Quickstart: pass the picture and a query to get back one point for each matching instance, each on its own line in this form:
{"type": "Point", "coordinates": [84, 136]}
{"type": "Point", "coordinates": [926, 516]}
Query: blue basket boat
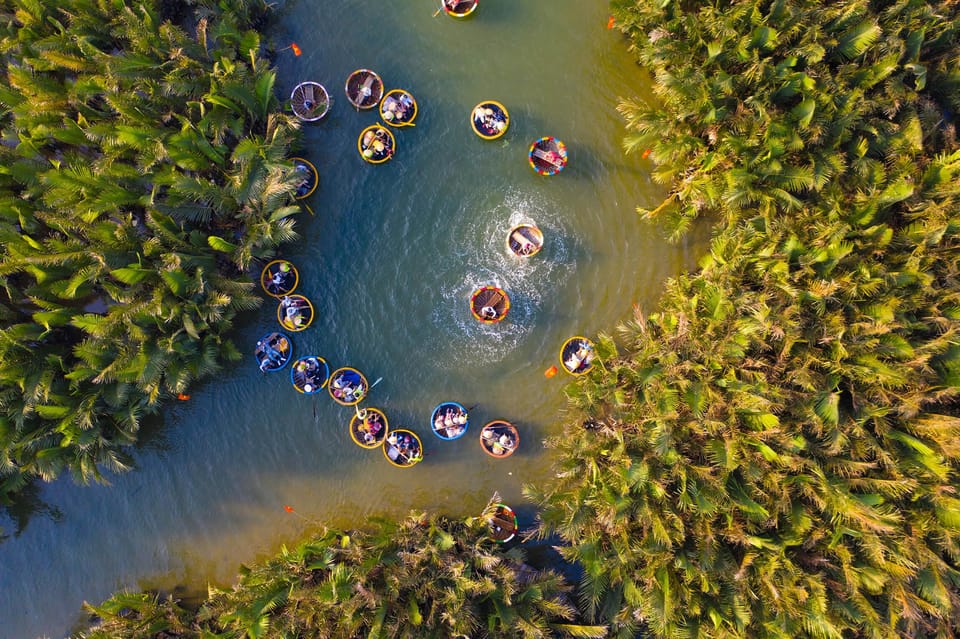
{"type": "Point", "coordinates": [273, 352]}
{"type": "Point", "coordinates": [449, 420]}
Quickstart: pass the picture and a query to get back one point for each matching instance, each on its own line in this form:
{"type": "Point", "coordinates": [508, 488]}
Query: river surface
{"type": "Point", "coordinates": [389, 259]}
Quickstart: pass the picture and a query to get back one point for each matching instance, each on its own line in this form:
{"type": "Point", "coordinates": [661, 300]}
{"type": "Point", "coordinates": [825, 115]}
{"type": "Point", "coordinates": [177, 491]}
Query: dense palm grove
{"type": "Point", "coordinates": [773, 452]}
{"type": "Point", "coordinates": [143, 170]}
{"type": "Point", "coordinates": [423, 577]}
{"type": "Point", "coordinates": [780, 440]}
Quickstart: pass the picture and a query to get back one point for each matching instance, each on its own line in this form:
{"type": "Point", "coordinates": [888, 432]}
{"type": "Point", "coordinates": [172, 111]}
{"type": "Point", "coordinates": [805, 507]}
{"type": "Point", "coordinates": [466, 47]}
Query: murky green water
{"type": "Point", "coordinates": [389, 260]}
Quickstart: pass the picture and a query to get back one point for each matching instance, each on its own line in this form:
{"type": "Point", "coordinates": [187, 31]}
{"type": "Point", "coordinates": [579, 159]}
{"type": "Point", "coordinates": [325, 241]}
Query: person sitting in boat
{"type": "Point", "coordinates": [271, 357]}
{"type": "Point", "coordinates": [303, 186]}
{"type": "Point", "coordinates": [280, 279]}
{"type": "Point", "coordinates": [503, 444]}
{"type": "Point", "coordinates": [373, 424]}
{"type": "Point", "coordinates": [488, 312]}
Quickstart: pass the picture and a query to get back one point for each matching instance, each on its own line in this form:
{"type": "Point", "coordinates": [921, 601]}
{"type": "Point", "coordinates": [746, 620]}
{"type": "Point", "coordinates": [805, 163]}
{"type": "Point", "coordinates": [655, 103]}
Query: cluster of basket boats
{"type": "Point", "coordinates": [377, 144]}
{"type": "Point", "coordinates": [369, 426]}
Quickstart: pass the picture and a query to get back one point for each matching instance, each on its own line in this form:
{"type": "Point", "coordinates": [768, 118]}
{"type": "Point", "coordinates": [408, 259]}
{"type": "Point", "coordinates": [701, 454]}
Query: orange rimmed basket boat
{"type": "Point", "coordinates": [499, 438]}
{"type": "Point", "coordinates": [490, 304]}
{"type": "Point", "coordinates": [525, 240]}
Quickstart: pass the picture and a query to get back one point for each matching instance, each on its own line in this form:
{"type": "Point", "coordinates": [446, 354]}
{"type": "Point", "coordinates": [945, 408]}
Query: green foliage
{"type": "Point", "coordinates": [144, 170]}
{"type": "Point", "coordinates": [778, 452]}
{"type": "Point", "coordinates": [424, 576]}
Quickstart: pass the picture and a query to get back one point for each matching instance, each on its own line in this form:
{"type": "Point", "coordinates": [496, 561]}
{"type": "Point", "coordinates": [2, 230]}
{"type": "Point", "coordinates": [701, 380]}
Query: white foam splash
{"type": "Point", "coordinates": [487, 260]}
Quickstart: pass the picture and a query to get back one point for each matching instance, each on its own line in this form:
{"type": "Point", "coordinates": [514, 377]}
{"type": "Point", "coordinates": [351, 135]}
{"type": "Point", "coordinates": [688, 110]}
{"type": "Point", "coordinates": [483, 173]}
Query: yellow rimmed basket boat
{"type": "Point", "coordinates": [502, 521]}
{"type": "Point", "coordinates": [489, 304]}
{"type": "Point", "coordinates": [577, 355]}
{"type": "Point", "coordinates": [348, 386]}
{"type": "Point", "coordinates": [460, 8]}
{"type": "Point", "coordinates": [499, 438]}
{"type": "Point", "coordinates": [376, 144]}
{"type": "Point", "coordinates": [547, 156]}
{"type": "Point", "coordinates": [309, 101]}
{"type": "Point", "coordinates": [295, 312]}
{"type": "Point", "coordinates": [369, 428]}
{"type": "Point", "coordinates": [398, 108]}
{"type": "Point", "coordinates": [403, 448]}
{"type": "Point", "coordinates": [309, 178]}
{"type": "Point", "coordinates": [309, 374]}
{"type": "Point", "coordinates": [279, 278]}
{"type": "Point", "coordinates": [364, 88]}
{"type": "Point", "coordinates": [525, 240]}
{"type": "Point", "coordinates": [489, 119]}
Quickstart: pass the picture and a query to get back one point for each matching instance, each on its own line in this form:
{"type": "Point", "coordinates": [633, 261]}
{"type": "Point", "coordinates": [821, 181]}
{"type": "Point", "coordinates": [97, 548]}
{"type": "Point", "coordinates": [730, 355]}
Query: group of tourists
{"type": "Point", "coordinates": [308, 375]}
{"type": "Point", "coordinates": [403, 449]}
{"type": "Point", "coordinates": [498, 441]}
{"type": "Point", "coordinates": [370, 427]}
{"type": "Point", "coordinates": [397, 109]}
{"type": "Point", "coordinates": [347, 390]}
{"type": "Point", "coordinates": [273, 351]}
{"type": "Point", "coordinates": [580, 359]}
{"type": "Point", "coordinates": [295, 312]}
{"type": "Point", "coordinates": [450, 423]}
{"type": "Point", "coordinates": [489, 121]}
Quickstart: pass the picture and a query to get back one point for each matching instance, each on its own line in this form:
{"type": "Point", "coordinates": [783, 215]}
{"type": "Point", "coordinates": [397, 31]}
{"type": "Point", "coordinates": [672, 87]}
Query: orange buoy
{"type": "Point", "coordinates": [550, 372]}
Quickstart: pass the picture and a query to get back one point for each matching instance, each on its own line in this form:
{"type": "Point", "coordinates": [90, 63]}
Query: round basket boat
{"type": "Point", "coordinates": [295, 312]}
{"type": "Point", "coordinates": [499, 438]}
{"type": "Point", "coordinates": [525, 240]}
{"type": "Point", "coordinates": [489, 120]}
{"type": "Point", "coordinates": [502, 521]}
{"type": "Point", "coordinates": [364, 88]}
{"type": "Point", "coordinates": [548, 156]}
{"type": "Point", "coordinates": [273, 352]}
{"type": "Point", "coordinates": [459, 8]}
{"type": "Point", "coordinates": [279, 278]}
{"type": "Point", "coordinates": [403, 448]}
{"type": "Point", "coordinates": [308, 178]}
{"type": "Point", "coordinates": [309, 101]}
{"type": "Point", "coordinates": [489, 304]}
{"type": "Point", "coordinates": [348, 386]}
{"type": "Point", "coordinates": [398, 108]}
{"type": "Point", "coordinates": [309, 374]}
{"type": "Point", "coordinates": [449, 421]}
{"type": "Point", "coordinates": [376, 144]}
{"type": "Point", "coordinates": [369, 428]}
{"type": "Point", "coordinates": [577, 355]}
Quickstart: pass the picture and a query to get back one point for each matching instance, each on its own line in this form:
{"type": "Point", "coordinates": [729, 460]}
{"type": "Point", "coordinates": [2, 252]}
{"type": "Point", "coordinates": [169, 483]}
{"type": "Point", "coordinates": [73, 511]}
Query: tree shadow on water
{"type": "Point", "coordinates": [21, 507]}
